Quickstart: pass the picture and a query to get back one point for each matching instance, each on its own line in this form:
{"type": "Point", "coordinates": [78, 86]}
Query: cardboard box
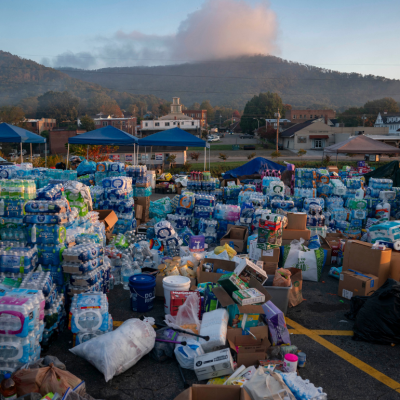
{"type": "Point", "coordinates": [252, 311]}
{"type": "Point", "coordinates": [203, 276]}
{"type": "Point", "coordinates": [236, 235]}
{"type": "Point", "coordinates": [109, 218]}
{"type": "Point", "coordinates": [248, 296]}
{"type": "Point", "coordinates": [247, 350]}
{"type": "Point", "coordinates": [291, 234]}
{"type": "Point", "coordinates": [297, 221]}
{"type": "Point", "coordinates": [360, 257]}
{"type": "Point", "coordinates": [138, 211]}
{"type": "Point", "coordinates": [395, 266]}
{"type": "Point", "coordinates": [269, 238]}
{"type": "Point", "coordinates": [247, 268]}
{"type": "Point", "coordinates": [355, 283]}
{"type": "Point", "coordinates": [214, 392]}
{"type": "Point", "coordinates": [231, 282]}
{"type": "Point", "coordinates": [332, 168]}
{"type": "Point", "coordinates": [211, 365]}
{"type": "Point", "coordinates": [325, 246]}
{"type": "Point", "coordinates": [224, 182]}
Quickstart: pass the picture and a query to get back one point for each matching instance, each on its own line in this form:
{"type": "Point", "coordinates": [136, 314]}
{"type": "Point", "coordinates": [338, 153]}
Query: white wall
{"type": "Point", "coordinates": [163, 124]}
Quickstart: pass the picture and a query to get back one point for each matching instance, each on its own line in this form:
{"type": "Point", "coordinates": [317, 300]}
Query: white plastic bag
{"type": "Point", "coordinates": [265, 386]}
{"type": "Point", "coordinates": [115, 352]}
{"type": "Point", "coordinates": [186, 354]}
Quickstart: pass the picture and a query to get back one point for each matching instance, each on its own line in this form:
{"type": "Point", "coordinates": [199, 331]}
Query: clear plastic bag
{"type": "Point", "coordinates": [115, 352]}
{"type": "Point", "coordinates": [187, 317]}
{"type": "Point", "coordinates": [187, 354]}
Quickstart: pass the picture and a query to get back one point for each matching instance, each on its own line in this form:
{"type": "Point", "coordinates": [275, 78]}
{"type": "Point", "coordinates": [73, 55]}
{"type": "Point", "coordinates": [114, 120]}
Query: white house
{"type": "Point", "coordinates": [175, 119]}
{"type": "Point", "coordinates": [389, 120]}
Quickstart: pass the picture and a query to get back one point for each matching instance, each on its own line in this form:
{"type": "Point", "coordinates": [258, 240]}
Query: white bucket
{"type": "Point", "coordinates": [152, 176]}
{"type": "Point", "coordinates": [171, 284]}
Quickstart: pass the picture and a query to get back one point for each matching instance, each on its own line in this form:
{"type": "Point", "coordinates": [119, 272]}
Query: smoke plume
{"type": "Point", "coordinates": [220, 29]}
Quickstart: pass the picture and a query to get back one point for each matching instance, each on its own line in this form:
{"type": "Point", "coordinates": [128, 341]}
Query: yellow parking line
{"type": "Point", "coordinates": [346, 356]}
{"type": "Point", "coordinates": [323, 332]}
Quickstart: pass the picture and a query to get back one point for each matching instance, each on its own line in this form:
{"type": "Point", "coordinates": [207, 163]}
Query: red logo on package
{"type": "Point", "coordinates": [179, 298]}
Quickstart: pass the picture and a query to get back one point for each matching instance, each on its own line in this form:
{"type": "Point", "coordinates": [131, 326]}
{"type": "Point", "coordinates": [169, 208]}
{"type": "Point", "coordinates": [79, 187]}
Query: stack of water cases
{"type": "Point", "coordinates": [54, 310]}
{"type": "Point", "coordinates": [106, 169]}
{"type": "Point", "coordinates": [84, 264]}
{"type": "Point", "coordinates": [118, 196]}
{"type": "Point", "coordinates": [89, 316]}
{"type": "Point", "coordinates": [225, 214]}
{"type": "Point", "coordinates": [202, 183]}
{"type": "Point", "coordinates": [160, 208]}
{"type": "Point", "coordinates": [21, 327]}
{"type": "Point", "coordinates": [204, 207]}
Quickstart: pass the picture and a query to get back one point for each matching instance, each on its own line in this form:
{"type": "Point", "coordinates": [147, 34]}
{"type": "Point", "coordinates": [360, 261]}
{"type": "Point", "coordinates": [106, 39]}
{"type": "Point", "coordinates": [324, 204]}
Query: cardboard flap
{"type": "Point", "coordinates": [214, 392]}
{"type": "Point", "coordinates": [108, 217]}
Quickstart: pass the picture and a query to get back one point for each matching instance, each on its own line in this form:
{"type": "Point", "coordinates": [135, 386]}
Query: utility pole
{"type": "Point", "coordinates": [277, 115]}
{"type": "Point", "coordinates": [363, 119]}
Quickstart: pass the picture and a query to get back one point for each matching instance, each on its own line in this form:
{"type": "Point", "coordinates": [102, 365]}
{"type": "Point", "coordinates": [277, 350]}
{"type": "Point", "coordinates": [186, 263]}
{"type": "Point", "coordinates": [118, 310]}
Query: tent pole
{"type": "Point", "coordinates": [45, 154]}
{"type": "Point", "coordinates": [67, 155]}
{"type": "Point", "coordinates": [31, 152]}
{"type": "Point", "coordinates": [205, 156]}
{"type": "Point", "coordinates": [151, 155]}
{"type": "Point", "coordinates": [21, 153]}
{"type": "Point", "coordinates": [145, 152]}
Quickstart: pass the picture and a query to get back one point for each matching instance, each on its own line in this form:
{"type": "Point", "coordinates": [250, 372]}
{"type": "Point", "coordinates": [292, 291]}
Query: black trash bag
{"type": "Point", "coordinates": [378, 320]}
{"type": "Point", "coordinates": [357, 302]}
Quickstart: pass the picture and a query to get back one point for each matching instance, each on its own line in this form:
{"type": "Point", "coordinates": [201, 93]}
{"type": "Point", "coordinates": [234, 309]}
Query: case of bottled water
{"type": "Point", "coordinates": [379, 183]}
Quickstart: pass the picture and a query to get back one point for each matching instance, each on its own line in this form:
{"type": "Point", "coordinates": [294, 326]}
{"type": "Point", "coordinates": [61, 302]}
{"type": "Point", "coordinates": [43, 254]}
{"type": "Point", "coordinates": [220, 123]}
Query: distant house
{"type": "Point", "coordinates": [316, 134]}
{"type": "Point", "coordinates": [200, 115]}
{"type": "Point", "coordinates": [175, 119]}
{"type": "Point", "coordinates": [389, 120]}
{"type": "Point", "coordinates": [305, 115]}
{"type": "Point", "coordinates": [126, 124]}
{"type": "Point", "coordinates": [40, 125]}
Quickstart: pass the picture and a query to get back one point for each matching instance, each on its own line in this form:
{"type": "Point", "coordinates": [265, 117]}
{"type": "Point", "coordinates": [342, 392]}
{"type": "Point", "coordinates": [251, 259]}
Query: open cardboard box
{"type": "Point", "coordinates": [291, 234]}
{"type": "Point", "coordinates": [233, 308]}
{"type": "Point", "coordinates": [237, 235]}
{"type": "Point", "coordinates": [224, 182]}
{"type": "Point", "coordinates": [203, 276]}
{"type": "Point", "coordinates": [395, 266]}
{"type": "Point", "coordinates": [247, 349]}
{"type": "Point", "coordinates": [359, 256]}
{"type": "Point", "coordinates": [109, 218]}
{"type": "Point", "coordinates": [326, 246]}
{"type": "Point", "coordinates": [214, 392]}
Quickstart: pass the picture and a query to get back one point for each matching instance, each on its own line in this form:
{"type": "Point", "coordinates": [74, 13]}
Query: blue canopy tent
{"type": "Point", "coordinates": [175, 137]}
{"type": "Point", "coordinates": [14, 134]}
{"type": "Point", "coordinates": [252, 167]}
{"type": "Point", "coordinates": [106, 136]}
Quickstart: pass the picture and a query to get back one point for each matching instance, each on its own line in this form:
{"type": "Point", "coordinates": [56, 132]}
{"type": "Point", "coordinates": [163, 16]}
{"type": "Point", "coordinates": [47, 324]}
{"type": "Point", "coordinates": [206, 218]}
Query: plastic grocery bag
{"type": "Point", "coordinates": [86, 167]}
{"type": "Point", "coordinates": [282, 278]}
{"type": "Point", "coordinates": [44, 380]}
{"type": "Point", "coordinates": [187, 317]}
{"type": "Point", "coordinates": [186, 354]}
{"type": "Point", "coordinates": [116, 351]}
{"type": "Point", "coordinates": [267, 386]}
{"type": "Point", "coordinates": [296, 255]}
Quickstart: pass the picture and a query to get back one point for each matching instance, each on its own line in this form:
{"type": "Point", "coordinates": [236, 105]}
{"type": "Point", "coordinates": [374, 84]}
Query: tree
{"type": "Point", "coordinates": [236, 114]}
{"type": "Point", "coordinates": [164, 108]}
{"type": "Point", "coordinates": [61, 106]}
{"type": "Point", "coordinates": [260, 107]}
{"type": "Point", "coordinates": [301, 153]}
{"type": "Point", "coordinates": [29, 105]}
{"type": "Point", "coordinates": [195, 106]}
{"type": "Point", "coordinates": [96, 153]}
{"type": "Point", "coordinates": [206, 105]}
{"type": "Point", "coordinates": [12, 115]}
{"type": "Point", "coordinates": [142, 107]}
{"type": "Point", "coordinates": [194, 156]}
{"type": "Point", "coordinates": [87, 123]}
{"type": "Point", "coordinates": [386, 104]}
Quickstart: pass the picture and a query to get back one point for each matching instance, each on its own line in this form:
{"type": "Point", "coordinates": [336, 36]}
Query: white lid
{"type": "Point", "coordinates": [176, 280]}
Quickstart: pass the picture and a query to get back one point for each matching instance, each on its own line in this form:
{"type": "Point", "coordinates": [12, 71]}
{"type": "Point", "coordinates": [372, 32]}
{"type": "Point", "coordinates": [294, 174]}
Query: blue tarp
{"type": "Point", "coordinates": [252, 167]}
{"type": "Point", "coordinates": [172, 137]}
{"type": "Point", "coordinates": [14, 134]}
{"type": "Point", "coordinates": [104, 136]}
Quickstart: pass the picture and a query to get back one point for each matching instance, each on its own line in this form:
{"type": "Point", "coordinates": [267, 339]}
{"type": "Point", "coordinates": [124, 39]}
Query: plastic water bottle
{"type": "Point", "coordinates": [126, 272]}
{"type": "Point", "coordinates": [148, 263]}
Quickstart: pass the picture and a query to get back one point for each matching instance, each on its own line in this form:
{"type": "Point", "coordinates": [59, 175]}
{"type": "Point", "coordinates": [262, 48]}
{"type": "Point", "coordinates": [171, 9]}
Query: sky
{"type": "Point", "coordinates": [349, 36]}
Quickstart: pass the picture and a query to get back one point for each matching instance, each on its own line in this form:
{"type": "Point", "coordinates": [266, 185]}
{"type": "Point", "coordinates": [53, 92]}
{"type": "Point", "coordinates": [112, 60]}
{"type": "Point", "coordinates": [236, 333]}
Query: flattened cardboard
{"type": "Point", "coordinates": [360, 257]}
{"type": "Point", "coordinates": [297, 221]}
{"type": "Point", "coordinates": [395, 266]}
{"type": "Point", "coordinates": [203, 276]}
{"type": "Point", "coordinates": [240, 245]}
{"type": "Point", "coordinates": [108, 217]}
{"type": "Point", "coordinates": [214, 392]}
{"type": "Point", "coordinates": [352, 283]}
{"type": "Point", "coordinates": [291, 234]}
{"type": "Point", "coordinates": [251, 350]}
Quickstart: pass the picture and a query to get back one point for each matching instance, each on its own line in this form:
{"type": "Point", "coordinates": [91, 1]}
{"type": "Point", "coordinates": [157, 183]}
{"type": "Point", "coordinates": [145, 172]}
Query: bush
{"type": "Point", "coordinates": [171, 159]}
{"type": "Point", "coordinates": [187, 167]}
{"type": "Point", "coordinates": [223, 156]}
{"type": "Point", "coordinates": [194, 156]}
{"type": "Point", "coordinates": [326, 161]}
{"type": "Point", "coordinates": [301, 153]}
{"type": "Point", "coordinates": [250, 156]}
{"type": "Point", "coordinates": [275, 154]}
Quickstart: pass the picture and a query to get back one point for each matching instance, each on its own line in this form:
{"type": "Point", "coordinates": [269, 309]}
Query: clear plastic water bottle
{"type": "Point", "coordinates": [148, 263]}
{"type": "Point", "coordinates": [126, 272]}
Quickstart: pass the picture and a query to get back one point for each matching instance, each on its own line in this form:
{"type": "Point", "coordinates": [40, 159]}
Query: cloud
{"type": "Point", "coordinates": [220, 29]}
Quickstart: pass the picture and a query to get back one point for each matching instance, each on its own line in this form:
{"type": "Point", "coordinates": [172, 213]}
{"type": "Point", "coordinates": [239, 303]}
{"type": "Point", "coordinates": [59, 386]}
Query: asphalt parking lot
{"type": "Point", "coordinates": [345, 369]}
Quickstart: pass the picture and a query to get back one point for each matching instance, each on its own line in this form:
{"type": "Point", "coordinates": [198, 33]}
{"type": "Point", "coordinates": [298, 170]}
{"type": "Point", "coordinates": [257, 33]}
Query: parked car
{"type": "Point", "coordinates": [213, 139]}
{"type": "Point", "coordinates": [247, 136]}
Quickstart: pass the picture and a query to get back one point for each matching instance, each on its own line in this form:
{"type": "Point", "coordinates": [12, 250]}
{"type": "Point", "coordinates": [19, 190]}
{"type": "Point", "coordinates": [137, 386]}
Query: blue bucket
{"type": "Point", "coordinates": [143, 292]}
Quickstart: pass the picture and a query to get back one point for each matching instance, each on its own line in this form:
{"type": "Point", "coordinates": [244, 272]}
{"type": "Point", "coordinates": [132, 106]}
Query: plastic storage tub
{"type": "Point", "coordinates": [280, 296]}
